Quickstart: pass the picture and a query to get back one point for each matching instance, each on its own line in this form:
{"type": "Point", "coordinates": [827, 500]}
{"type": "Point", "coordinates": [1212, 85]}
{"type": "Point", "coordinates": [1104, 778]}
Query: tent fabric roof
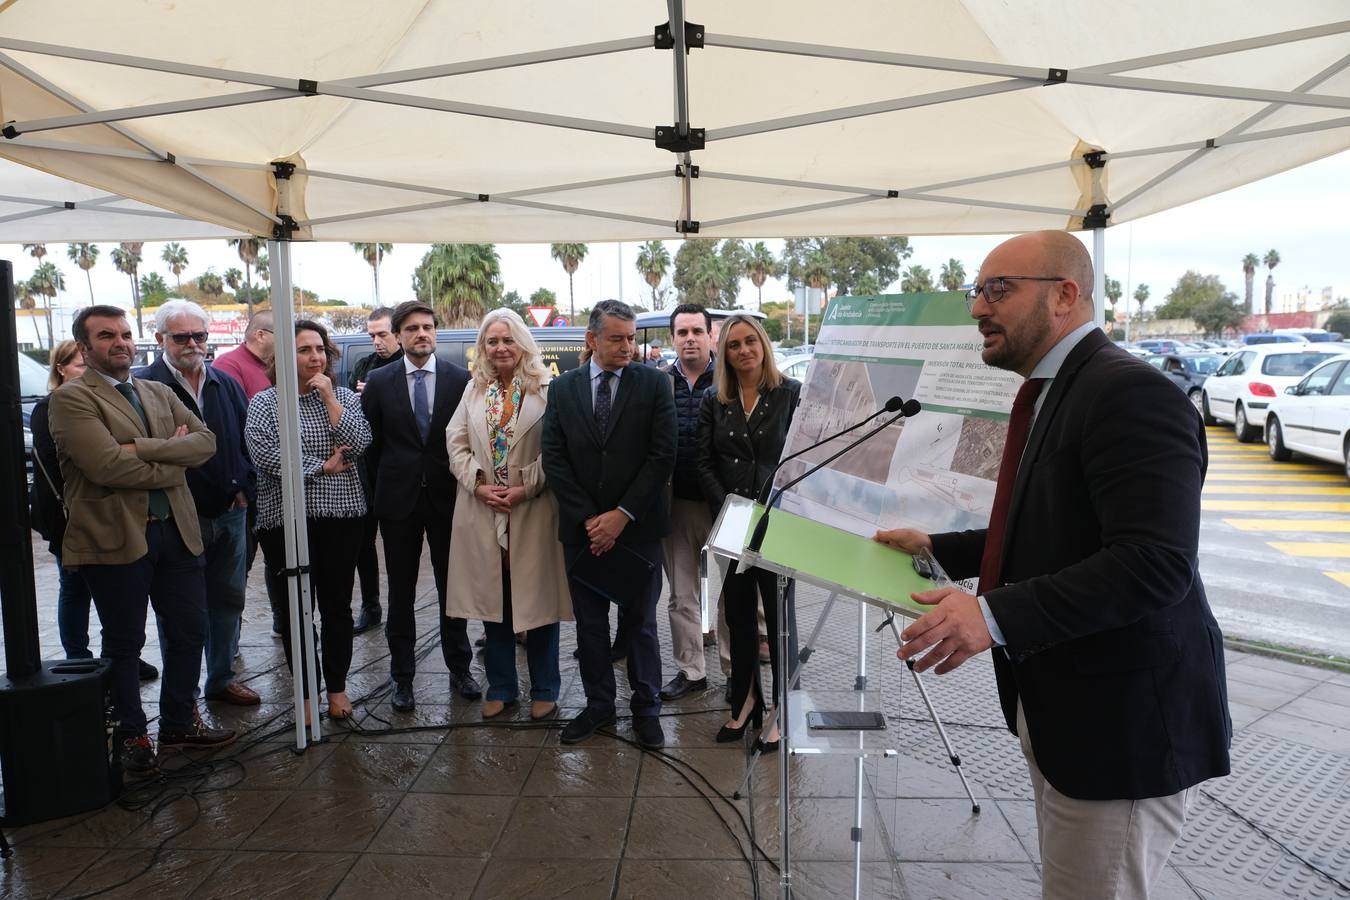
{"type": "Point", "coordinates": [448, 120]}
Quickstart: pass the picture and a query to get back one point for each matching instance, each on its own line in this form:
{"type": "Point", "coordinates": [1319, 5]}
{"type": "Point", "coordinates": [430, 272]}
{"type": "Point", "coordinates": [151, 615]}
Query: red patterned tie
{"type": "Point", "coordinates": [1019, 424]}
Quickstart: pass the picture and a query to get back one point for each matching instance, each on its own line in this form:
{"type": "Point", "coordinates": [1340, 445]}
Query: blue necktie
{"type": "Point", "coordinates": [603, 400]}
{"type": "Point", "coordinates": [421, 409]}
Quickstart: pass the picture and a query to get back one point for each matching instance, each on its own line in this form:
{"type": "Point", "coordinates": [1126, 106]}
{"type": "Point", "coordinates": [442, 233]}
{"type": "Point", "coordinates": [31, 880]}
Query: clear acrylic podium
{"type": "Point", "coordinates": [847, 567]}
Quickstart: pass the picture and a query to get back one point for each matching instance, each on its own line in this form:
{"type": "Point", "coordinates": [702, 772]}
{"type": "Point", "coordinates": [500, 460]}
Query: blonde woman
{"type": "Point", "coordinates": [504, 511]}
{"type": "Point", "coordinates": [742, 426]}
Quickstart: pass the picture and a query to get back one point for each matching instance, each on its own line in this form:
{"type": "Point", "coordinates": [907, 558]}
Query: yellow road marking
{"type": "Point", "coordinates": [1339, 526]}
{"type": "Point", "coordinates": [1342, 577]}
{"type": "Point", "coordinates": [1282, 489]}
{"type": "Point", "coordinates": [1330, 478]}
{"type": "Point", "coordinates": [1313, 548]}
{"type": "Point", "coordinates": [1318, 506]}
{"type": "Point", "coordinates": [1246, 466]}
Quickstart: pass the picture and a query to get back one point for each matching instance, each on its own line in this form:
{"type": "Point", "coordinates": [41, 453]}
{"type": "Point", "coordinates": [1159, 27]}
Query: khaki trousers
{"type": "Point", "coordinates": [1101, 849]}
{"type": "Point", "coordinates": [690, 522]}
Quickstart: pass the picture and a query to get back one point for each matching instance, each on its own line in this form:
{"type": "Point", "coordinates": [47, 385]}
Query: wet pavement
{"type": "Point", "coordinates": [436, 803]}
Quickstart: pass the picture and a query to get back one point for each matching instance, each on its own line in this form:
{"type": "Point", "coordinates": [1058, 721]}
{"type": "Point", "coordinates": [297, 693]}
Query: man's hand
{"type": "Point", "coordinates": [605, 529]}
{"type": "Point", "coordinates": [906, 540]}
{"type": "Point", "coordinates": [360, 387]}
{"type": "Point", "coordinates": [240, 500]}
{"type": "Point", "coordinates": [955, 629]}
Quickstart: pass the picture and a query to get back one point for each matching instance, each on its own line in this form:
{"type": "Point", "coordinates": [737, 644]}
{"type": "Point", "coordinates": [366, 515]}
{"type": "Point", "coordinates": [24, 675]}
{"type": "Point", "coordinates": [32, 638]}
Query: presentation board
{"type": "Point", "coordinates": [936, 471]}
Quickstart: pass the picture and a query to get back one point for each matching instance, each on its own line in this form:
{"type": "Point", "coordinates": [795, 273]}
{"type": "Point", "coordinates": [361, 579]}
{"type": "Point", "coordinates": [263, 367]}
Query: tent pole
{"type": "Point", "coordinates": [1099, 275]}
{"type": "Point", "coordinates": [294, 526]}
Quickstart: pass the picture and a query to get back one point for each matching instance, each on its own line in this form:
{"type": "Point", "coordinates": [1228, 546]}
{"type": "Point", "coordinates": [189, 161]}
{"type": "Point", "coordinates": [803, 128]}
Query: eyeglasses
{"type": "Point", "coordinates": [996, 288]}
{"type": "Point", "coordinates": [196, 337]}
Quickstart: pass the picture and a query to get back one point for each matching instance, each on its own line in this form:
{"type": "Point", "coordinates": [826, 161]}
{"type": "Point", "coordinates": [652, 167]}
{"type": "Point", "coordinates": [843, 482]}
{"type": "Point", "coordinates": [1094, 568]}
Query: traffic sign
{"type": "Point", "coordinates": [540, 315]}
{"type": "Point", "coordinates": [559, 322]}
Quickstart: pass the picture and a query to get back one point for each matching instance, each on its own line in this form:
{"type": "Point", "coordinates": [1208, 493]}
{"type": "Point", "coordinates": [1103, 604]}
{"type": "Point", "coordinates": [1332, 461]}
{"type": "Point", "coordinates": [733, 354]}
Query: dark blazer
{"type": "Point", "coordinates": [215, 483]}
{"type": "Point", "coordinates": [1111, 644]}
{"type": "Point", "coordinates": [402, 467]}
{"type": "Point", "coordinates": [736, 455]}
{"type": "Point", "coordinates": [49, 517]}
{"type": "Point", "coordinates": [591, 473]}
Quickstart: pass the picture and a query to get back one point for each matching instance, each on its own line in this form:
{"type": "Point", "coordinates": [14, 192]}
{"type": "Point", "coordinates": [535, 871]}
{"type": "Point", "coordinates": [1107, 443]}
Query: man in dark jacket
{"type": "Point", "coordinates": [379, 325]}
{"type": "Point", "coordinates": [691, 375]}
{"type": "Point", "coordinates": [220, 488]}
{"type": "Point", "coordinates": [608, 453]}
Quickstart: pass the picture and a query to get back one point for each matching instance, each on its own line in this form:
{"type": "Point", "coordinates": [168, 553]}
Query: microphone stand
{"type": "Point", "coordinates": [892, 405]}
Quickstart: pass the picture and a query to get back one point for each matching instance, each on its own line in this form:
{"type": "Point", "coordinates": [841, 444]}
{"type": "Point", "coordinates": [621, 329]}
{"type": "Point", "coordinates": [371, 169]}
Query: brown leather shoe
{"type": "Point", "coordinates": [491, 709]}
{"type": "Point", "coordinates": [235, 694]}
{"type": "Point", "coordinates": [542, 709]}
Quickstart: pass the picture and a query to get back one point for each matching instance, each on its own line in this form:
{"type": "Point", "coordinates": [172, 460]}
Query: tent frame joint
{"type": "Point", "coordinates": [1096, 159]}
{"type": "Point", "coordinates": [1097, 216]}
{"type": "Point", "coordinates": [690, 171]}
{"type": "Point", "coordinates": [285, 229]}
{"type": "Point", "coordinates": [283, 170]}
{"type": "Point", "coordinates": [70, 204]}
{"type": "Point", "coordinates": [664, 39]}
{"type": "Point", "coordinates": [10, 131]}
{"type": "Point", "coordinates": [668, 138]}
{"type": "Point", "coordinates": [1056, 76]}
{"type": "Point", "coordinates": [892, 193]}
{"type": "Point", "coordinates": [687, 226]}
{"type": "Point", "coordinates": [308, 86]}
{"type": "Point", "coordinates": [484, 198]}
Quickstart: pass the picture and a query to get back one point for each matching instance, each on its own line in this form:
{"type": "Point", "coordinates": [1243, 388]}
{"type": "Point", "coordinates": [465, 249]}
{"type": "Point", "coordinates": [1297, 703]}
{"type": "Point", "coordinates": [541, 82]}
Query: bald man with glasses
{"type": "Point", "coordinates": [1109, 662]}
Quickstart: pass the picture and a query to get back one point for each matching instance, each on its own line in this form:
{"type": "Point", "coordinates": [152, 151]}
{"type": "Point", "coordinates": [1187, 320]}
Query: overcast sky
{"type": "Point", "coordinates": [1304, 214]}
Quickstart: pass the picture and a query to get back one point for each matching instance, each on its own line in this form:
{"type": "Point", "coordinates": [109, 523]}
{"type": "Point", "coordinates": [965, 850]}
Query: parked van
{"type": "Point", "coordinates": [560, 348]}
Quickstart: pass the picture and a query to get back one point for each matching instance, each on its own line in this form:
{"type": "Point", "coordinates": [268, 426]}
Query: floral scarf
{"type": "Point", "coordinates": [503, 407]}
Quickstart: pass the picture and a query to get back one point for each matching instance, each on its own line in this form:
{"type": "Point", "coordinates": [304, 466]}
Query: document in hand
{"type": "Point", "coordinates": [617, 575]}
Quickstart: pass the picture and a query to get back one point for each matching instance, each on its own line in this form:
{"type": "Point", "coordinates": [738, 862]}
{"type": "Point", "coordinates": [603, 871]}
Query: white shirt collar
{"type": "Point", "coordinates": [596, 370]}
{"type": "Point", "coordinates": [111, 380]}
{"type": "Point", "coordinates": [409, 367]}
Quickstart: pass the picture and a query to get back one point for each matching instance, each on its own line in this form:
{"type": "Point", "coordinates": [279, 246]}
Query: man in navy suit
{"type": "Point", "coordinates": [609, 452]}
{"type": "Point", "coordinates": [1109, 662]}
{"type": "Point", "coordinates": [408, 407]}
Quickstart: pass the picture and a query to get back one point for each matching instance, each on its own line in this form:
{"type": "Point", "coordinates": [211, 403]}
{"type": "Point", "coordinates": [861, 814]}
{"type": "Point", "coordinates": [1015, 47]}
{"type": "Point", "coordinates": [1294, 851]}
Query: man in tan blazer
{"type": "Point", "coordinates": [124, 446]}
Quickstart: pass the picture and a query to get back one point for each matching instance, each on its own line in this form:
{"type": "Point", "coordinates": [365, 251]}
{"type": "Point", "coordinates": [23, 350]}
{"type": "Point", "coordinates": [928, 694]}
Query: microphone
{"type": "Point", "coordinates": [895, 404]}
{"type": "Point", "coordinates": [751, 554]}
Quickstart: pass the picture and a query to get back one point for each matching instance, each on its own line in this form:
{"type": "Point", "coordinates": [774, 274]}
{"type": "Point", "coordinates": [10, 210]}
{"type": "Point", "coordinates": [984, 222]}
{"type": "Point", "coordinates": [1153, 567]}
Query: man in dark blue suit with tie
{"type": "Point", "coordinates": [408, 407]}
{"type": "Point", "coordinates": [608, 453]}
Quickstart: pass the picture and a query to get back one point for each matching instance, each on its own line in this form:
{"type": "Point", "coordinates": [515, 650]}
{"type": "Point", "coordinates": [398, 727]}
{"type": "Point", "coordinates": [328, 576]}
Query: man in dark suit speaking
{"type": "Point", "coordinates": [1109, 662]}
{"type": "Point", "coordinates": [608, 453]}
{"type": "Point", "coordinates": [408, 406]}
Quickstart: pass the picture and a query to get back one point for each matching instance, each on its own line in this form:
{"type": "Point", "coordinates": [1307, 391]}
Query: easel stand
{"type": "Point", "coordinates": [791, 704]}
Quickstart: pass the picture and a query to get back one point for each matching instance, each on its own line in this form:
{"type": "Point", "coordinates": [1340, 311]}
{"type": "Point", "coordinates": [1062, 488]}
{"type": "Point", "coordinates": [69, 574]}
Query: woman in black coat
{"type": "Point", "coordinates": [742, 426]}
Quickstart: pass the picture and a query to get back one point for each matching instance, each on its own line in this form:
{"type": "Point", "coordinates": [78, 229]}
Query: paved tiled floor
{"type": "Point", "coordinates": [446, 806]}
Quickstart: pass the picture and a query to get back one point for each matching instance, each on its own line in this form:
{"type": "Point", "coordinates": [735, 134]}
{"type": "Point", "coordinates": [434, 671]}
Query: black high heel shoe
{"type": "Point", "coordinates": [728, 733]}
{"type": "Point", "coordinates": [764, 747]}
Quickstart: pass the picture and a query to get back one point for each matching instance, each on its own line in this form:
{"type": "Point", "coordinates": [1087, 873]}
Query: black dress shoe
{"type": "Point", "coordinates": [467, 686]}
{"type": "Point", "coordinates": [649, 733]}
{"type": "Point", "coordinates": [766, 747]}
{"type": "Point", "coordinates": [681, 685]}
{"type": "Point", "coordinates": [367, 619]}
{"type": "Point", "coordinates": [618, 653]}
{"type": "Point", "coordinates": [584, 725]}
{"type": "Point", "coordinates": [146, 671]}
{"type": "Point", "coordinates": [403, 697]}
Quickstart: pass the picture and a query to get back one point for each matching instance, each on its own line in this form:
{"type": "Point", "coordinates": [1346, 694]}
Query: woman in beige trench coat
{"type": "Point", "coordinates": [504, 544]}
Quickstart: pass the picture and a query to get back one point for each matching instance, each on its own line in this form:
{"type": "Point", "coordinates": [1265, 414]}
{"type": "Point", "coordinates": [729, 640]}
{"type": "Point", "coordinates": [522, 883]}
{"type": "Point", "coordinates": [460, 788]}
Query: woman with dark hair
{"type": "Point", "coordinates": [333, 432]}
{"type": "Point", "coordinates": [742, 426]}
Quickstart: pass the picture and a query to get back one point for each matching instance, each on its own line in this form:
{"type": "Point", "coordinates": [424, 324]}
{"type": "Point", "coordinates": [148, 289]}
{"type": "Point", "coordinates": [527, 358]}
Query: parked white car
{"type": "Point", "coordinates": [1313, 416]}
{"type": "Point", "coordinates": [795, 366]}
{"type": "Point", "coordinates": [1244, 386]}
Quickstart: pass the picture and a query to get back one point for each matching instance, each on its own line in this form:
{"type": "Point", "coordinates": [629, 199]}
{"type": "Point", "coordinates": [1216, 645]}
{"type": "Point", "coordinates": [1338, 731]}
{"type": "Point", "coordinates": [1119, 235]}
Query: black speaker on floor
{"type": "Point", "coordinates": [55, 742]}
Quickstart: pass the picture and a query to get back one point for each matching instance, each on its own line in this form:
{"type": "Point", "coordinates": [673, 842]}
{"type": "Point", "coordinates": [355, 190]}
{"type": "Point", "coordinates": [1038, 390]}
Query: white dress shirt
{"type": "Point", "coordinates": [409, 367]}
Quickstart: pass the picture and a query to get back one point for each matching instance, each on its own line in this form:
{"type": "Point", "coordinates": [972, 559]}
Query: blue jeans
{"type": "Point", "coordinates": [169, 576]}
{"type": "Point", "coordinates": [225, 541]}
{"type": "Point", "coordinates": [72, 612]}
{"type": "Point", "coordinates": [499, 655]}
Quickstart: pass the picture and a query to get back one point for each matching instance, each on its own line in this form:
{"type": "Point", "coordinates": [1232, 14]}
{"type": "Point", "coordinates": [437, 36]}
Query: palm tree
{"type": "Point", "coordinates": [47, 280]}
{"type": "Point", "coordinates": [1141, 297]}
{"type": "Point", "coordinates": [953, 275]}
{"type": "Point", "coordinates": [176, 256]}
{"type": "Point", "coordinates": [460, 280]}
{"type": "Point", "coordinates": [1249, 264]}
{"type": "Point", "coordinates": [653, 261]}
{"type": "Point", "coordinates": [263, 267]}
{"type": "Point", "coordinates": [761, 265]}
{"type": "Point", "coordinates": [710, 277]}
{"type": "Point", "coordinates": [570, 255]}
{"type": "Point", "coordinates": [37, 251]}
{"type": "Point", "coordinates": [816, 272]}
{"type": "Point", "coordinates": [373, 254]}
{"type": "Point", "coordinates": [23, 296]}
{"type": "Point", "coordinates": [917, 280]}
{"type": "Point", "coordinates": [234, 279]}
{"type": "Point", "coordinates": [1271, 260]}
{"type": "Point", "coordinates": [1113, 292]}
{"type": "Point", "coordinates": [85, 255]}
{"type": "Point", "coordinates": [126, 258]}
{"type": "Point", "coordinates": [152, 286]}
{"type": "Point", "coordinates": [248, 249]}
{"type": "Point", "coordinates": [210, 283]}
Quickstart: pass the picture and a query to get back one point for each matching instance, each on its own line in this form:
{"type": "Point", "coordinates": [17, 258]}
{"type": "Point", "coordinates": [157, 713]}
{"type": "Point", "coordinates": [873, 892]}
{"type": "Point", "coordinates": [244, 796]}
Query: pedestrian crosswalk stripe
{"type": "Point", "coordinates": [1317, 506]}
{"type": "Point", "coordinates": [1313, 548]}
{"type": "Point", "coordinates": [1342, 577]}
{"type": "Point", "coordinates": [1311, 526]}
{"type": "Point", "coordinates": [1328, 478]}
{"type": "Point", "coordinates": [1283, 489]}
